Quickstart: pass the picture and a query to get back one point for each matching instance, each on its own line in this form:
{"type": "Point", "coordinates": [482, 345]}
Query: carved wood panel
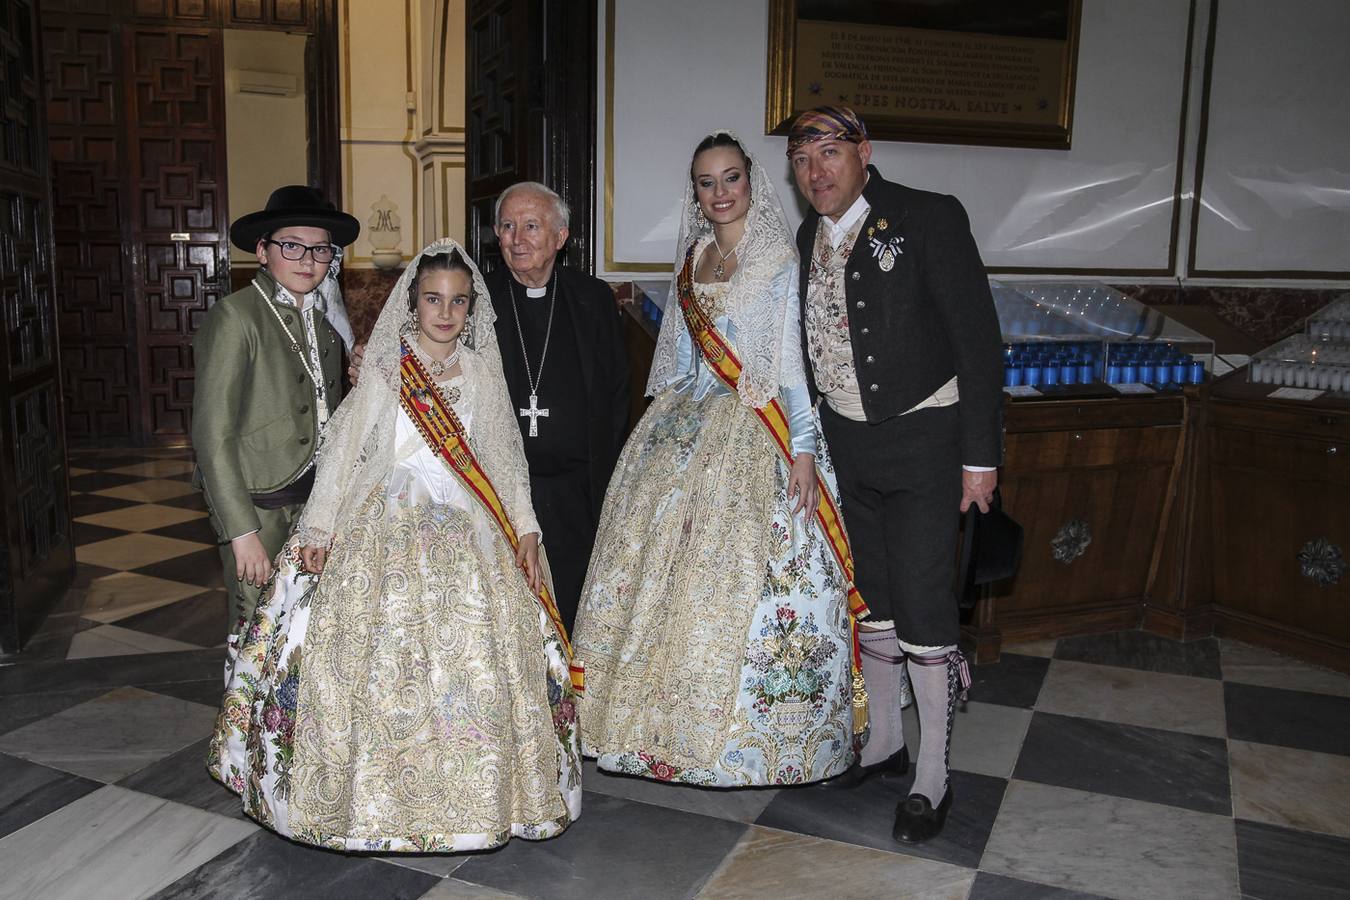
{"type": "Point", "coordinates": [55, 9]}
{"type": "Point", "coordinates": [175, 91]}
{"type": "Point", "coordinates": [86, 115]}
{"type": "Point", "coordinates": [135, 94]}
{"type": "Point", "coordinates": [297, 15]}
{"type": "Point", "coordinates": [531, 112]}
{"type": "Point", "coordinates": [39, 472]}
{"type": "Point", "coordinates": [26, 295]}
{"type": "Point", "coordinates": [194, 11]}
{"type": "Point", "coordinates": [290, 15]}
{"type": "Point", "coordinates": [491, 138]}
{"type": "Point", "coordinates": [37, 553]}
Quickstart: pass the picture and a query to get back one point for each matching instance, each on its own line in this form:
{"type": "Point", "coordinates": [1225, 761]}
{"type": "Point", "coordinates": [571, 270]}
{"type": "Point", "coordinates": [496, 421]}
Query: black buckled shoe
{"type": "Point", "coordinates": [895, 764]}
{"type": "Point", "coordinates": [917, 821]}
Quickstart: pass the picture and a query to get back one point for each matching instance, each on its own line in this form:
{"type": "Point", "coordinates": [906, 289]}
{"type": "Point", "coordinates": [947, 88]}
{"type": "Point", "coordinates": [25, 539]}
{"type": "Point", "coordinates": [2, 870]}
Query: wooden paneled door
{"type": "Point", "coordinates": [136, 100]}
{"type": "Point", "coordinates": [175, 95]}
{"type": "Point", "coordinates": [95, 290]}
{"type": "Point", "coordinates": [531, 113]}
{"type": "Point", "coordinates": [36, 556]}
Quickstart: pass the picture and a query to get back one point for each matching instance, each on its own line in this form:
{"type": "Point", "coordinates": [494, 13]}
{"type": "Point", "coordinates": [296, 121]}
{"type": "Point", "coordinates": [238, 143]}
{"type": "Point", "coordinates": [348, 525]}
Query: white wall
{"type": "Point", "coordinates": [682, 70]}
{"type": "Point", "coordinates": [378, 62]}
{"type": "Point", "coordinates": [402, 71]}
{"type": "Point", "coordinates": [1276, 188]}
{"type": "Point", "coordinates": [262, 158]}
{"type": "Point", "coordinates": [1276, 177]}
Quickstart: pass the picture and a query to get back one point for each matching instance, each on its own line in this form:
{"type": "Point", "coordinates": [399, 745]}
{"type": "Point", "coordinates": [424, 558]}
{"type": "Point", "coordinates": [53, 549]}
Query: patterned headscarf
{"type": "Point", "coordinates": [826, 123]}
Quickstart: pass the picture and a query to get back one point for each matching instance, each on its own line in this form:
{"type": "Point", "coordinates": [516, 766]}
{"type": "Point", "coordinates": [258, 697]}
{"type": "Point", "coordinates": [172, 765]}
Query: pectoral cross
{"type": "Point", "coordinates": [534, 412]}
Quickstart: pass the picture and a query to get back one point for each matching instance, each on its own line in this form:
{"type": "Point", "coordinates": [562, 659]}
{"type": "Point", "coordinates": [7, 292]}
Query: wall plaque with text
{"type": "Point", "coordinates": [944, 71]}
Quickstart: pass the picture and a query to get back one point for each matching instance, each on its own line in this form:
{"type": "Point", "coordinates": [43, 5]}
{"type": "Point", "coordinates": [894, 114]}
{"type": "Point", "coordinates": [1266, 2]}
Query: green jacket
{"type": "Point", "coordinates": [254, 425]}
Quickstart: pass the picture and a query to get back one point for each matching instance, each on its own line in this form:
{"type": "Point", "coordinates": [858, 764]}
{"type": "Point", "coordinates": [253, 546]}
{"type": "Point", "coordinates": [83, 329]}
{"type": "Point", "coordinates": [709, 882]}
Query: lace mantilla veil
{"type": "Point", "coordinates": [357, 448]}
{"type": "Point", "coordinates": [762, 301]}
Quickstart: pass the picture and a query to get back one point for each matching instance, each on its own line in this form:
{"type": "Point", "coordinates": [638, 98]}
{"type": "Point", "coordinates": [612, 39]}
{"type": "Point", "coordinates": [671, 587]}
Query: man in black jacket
{"type": "Point", "coordinates": [567, 373]}
{"type": "Point", "coordinates": [902, 342]}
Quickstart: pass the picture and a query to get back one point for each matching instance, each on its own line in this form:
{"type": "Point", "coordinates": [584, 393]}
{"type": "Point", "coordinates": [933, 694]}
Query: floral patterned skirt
{"type": "Point", "coordinates": [414, 698]}
{"type": "Point", "coordinates": [713, 624]}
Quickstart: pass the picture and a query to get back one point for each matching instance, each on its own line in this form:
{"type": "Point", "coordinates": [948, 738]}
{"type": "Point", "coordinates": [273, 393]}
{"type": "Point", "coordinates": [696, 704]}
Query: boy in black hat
{"type": "Point", "coordinates": [268, 369]}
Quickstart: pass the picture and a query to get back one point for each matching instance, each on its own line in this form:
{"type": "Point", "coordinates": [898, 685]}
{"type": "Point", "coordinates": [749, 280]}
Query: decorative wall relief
{"type": "Point", "coordinates": [1322, 562]}
{"type": "Point", "coordinates": [385, 233]}
{"type": "Point", "coordinates": [1071, 541]}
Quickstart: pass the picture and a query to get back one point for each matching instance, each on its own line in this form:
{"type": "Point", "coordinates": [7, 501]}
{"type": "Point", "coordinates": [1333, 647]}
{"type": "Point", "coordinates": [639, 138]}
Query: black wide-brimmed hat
{"type": "Point", "coordinates": [991, 549]}
{"type": "Point", "coordinates": [294, 204]}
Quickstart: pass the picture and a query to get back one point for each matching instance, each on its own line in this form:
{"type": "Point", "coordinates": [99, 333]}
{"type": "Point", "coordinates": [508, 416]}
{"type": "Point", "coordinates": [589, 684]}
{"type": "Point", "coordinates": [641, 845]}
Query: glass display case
{"type": "Point", "coordinates": [650, 297]}
{"type": "Point", "coordinates": [1071, 336]}
{"type": "Point", "coordinates": [1318, 358]}
{"type": "Point", "coordinates": [1331, 322]}
{"type": "Point", "coordinates": [1301, 361]}
{"type": "Point", "coordinates": [1060, 337]}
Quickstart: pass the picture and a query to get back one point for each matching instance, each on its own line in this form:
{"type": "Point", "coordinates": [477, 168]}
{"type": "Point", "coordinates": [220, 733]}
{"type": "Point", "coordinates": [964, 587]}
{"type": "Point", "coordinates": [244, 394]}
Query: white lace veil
{"type": "Point", "coordinates": [357, 447]}
{"type": "Point", "coordinates": [331, 304]}
{"type": "Point", "coordinates": [768, 339]}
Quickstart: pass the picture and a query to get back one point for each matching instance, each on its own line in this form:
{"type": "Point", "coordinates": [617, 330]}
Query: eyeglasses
{"type": "Point", "coordinates": [322, 253]}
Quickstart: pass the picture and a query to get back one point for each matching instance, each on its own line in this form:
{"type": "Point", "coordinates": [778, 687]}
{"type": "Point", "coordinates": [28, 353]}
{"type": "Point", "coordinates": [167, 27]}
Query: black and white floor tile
{"type": "Point", "coordinates": [1122, 766]}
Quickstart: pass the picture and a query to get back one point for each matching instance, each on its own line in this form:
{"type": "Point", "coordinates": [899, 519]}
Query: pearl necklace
{"type": "Point", "coordinates": [436, 368]}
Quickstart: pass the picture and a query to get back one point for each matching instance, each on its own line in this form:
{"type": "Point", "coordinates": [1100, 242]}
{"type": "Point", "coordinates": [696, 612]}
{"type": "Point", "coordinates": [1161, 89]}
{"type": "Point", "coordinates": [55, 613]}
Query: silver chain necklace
{"type": "Point", "coordinates": [533, 413]}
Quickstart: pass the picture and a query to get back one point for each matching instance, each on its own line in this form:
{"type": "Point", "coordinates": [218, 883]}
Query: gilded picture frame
{"type": "Point", "coordinates": [983, 72]}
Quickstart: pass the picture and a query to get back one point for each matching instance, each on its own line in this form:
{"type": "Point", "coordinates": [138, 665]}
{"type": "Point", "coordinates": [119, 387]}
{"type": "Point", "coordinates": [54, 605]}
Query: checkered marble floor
{"type": "Point", "coordinates": [1118, 765]}
{"type": "Point", "coordinates": [148, 576]}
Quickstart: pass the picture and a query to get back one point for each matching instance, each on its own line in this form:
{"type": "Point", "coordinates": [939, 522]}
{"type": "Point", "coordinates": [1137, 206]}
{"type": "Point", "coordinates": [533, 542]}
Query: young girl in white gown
{"type": "Point", "coordinates": [402, 686]}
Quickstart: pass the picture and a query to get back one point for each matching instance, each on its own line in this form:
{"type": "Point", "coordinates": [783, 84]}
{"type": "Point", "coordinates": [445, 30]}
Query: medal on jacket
{"type": "Point", "coordinates": [886, 252]}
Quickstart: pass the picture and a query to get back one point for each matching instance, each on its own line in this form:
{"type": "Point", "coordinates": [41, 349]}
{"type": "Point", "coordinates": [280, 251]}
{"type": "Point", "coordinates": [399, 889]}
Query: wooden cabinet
{"type": "Point", "coordinates": [1279, 483]}
{"type": "Point", "coordinates": [1094, 484]}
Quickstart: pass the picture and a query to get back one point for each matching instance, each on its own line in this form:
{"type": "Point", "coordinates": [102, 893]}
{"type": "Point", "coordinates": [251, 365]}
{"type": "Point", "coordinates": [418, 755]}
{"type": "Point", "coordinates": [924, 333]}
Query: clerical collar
{"type": "Point", "coordinates": [536, 292]}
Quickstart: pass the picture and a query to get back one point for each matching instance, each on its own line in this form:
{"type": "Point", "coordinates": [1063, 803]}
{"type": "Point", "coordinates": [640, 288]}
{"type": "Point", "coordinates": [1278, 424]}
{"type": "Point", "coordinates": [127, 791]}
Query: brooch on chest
{"type": "Point", "coordinates": [886, 252]}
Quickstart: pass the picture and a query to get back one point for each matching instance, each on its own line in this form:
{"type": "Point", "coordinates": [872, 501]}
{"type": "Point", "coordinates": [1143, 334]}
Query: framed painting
{"type": "Point", "coordinates": [939, 71]}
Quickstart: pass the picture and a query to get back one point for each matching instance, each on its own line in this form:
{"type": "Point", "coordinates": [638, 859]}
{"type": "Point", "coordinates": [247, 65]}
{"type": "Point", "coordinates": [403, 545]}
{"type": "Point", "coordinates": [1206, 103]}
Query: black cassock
{"type": "Point", "coordinates": [584, 387]}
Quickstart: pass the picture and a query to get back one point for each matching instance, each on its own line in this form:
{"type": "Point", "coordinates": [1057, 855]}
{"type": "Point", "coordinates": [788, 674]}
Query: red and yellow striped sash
{"type": "Point", "coordinates": [444, 433]}
{"type": "Point", "coordinates": [721, 358]}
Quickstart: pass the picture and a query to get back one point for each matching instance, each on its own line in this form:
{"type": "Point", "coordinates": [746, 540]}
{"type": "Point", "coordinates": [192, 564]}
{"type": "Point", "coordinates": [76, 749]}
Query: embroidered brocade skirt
{"type": "Point", "coordinates": [414, 698]}
{"type": "Point", "coordinates": [713, 624]}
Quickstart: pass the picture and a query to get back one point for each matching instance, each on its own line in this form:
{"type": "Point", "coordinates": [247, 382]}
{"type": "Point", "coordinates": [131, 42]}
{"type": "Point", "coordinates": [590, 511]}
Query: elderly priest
{"type": "Point", "coordinates": [567, 372]}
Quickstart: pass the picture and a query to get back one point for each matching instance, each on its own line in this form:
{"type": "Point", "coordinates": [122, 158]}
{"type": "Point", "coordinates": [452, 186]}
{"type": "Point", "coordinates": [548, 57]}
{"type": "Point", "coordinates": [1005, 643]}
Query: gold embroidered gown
{"type": "Point", "coordinates": [713, 623]}
{"type": "Point", "coordinates": [415, 697]}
